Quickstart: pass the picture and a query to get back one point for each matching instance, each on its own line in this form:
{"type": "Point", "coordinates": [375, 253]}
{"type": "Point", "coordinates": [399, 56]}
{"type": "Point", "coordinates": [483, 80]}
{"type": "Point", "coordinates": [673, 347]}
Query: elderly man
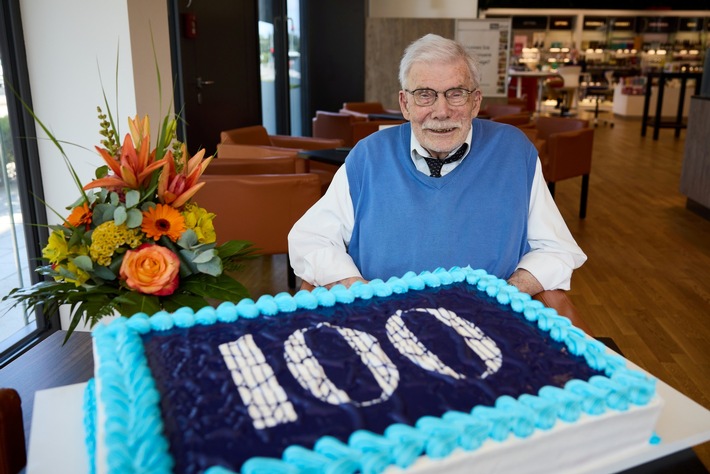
{"type": "Point", "coordinates": [443, 190]}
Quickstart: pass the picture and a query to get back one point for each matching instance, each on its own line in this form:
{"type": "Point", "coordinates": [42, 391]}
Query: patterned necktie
{"type": "Point", "coordinates": [435, 164]}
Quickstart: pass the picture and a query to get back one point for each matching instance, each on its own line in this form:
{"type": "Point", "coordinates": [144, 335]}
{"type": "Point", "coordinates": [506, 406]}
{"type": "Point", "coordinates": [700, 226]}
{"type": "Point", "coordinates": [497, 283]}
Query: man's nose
{"type": "Point", "coordinates": [441, 107]}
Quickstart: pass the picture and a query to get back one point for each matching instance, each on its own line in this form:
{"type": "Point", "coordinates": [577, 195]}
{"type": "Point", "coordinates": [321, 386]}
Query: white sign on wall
{"type": "Point", "coordinates": [489, 40]}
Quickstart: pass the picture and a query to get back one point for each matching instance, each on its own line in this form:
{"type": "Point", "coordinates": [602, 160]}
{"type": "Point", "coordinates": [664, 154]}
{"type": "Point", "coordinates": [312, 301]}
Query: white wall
{"type": "Point", "coordinates": [69, 43]}
{"type": "Point", "coordinates": [73, 46]}
{"type": "Point", "coordinates": [460, 9]}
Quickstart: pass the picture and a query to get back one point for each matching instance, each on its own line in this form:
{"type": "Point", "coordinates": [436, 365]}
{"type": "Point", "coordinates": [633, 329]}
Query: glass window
{"type": "Point", "coordinates": [22, 214]}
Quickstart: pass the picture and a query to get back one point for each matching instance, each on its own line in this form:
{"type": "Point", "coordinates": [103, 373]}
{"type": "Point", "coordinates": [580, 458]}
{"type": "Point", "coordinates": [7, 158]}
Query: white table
{"type": "Point", "coordinates": [539, 75]}
{"type": "Point", "coordinates": [57, 437]}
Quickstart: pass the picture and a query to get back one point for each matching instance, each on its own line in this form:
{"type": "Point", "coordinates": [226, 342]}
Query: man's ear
{"type": "Point", "coordinates": [403, 104]}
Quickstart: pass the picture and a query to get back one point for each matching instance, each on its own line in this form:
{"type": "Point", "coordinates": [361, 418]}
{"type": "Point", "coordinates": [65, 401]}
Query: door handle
{"type": "Point", "coordinates": [201, 83]}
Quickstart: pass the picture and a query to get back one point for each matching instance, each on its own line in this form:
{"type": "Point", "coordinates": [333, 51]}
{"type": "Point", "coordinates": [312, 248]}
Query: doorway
{"type": "Point", "coordinates": [215, 65]}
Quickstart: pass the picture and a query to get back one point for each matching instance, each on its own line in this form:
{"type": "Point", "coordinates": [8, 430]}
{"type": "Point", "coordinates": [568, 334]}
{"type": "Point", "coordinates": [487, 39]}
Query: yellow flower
{"type": "Point", "coordinates": [108, 237]}
{"type": "Point", "coordinates": [81, 275]}
{"type": "Point", "coordinates": [57, 249]}
{"type": "Point", "coordinates": [163, 220]}
{"type": "Point", "coordinates": [199, 220]}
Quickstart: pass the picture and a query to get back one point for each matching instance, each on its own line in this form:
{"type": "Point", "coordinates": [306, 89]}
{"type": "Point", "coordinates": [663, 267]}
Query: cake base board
{"type": "Point", "coordinates": [57, 435]}
{"type": "Point", "coordinates": [587, 446]}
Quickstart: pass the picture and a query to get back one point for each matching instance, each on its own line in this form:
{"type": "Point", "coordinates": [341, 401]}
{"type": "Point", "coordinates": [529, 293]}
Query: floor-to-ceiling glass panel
{"type": "Point", "coordinates": [271, 54]}
{"type": "Point", "coordinates": [14, 262]}
{"type": "Point", "coordinates": [294, 64]}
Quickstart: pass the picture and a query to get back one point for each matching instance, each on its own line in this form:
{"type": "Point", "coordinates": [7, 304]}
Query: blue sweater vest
{"type": "Point", "coordinates": [476, 215]}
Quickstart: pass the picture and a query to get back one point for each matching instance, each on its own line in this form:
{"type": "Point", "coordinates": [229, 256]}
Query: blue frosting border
{"type": "Point", "coordinates": [135, 442]}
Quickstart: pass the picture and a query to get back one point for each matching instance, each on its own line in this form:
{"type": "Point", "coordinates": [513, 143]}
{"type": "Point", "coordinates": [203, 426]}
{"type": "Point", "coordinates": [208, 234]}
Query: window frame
{"type": "Point", "coordinates": [29, 175]}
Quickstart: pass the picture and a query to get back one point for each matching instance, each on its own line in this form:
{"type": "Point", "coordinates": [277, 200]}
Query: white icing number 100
{"type": "Point", "coordinates": [266, 400]}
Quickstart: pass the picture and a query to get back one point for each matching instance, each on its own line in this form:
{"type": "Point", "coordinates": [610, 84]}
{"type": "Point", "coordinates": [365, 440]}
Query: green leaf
{"type": "Point", "coordinates": [134, 219]}
{"type": "Point", "coordinates": [119, 215]}
{"type": "Point", "coordinates": [223, 287]}
{"type": "Point", "coordinates": [212, 267]}
{"type": "Point", "coordinates": [102, 213]}
{"type": "Point", "coordinates": [180, 300]}
{"type": "Point", "coordinates": [235, 248]}
{"type": "Point", "coordinates": [188, 239]}
{"type": "Point", "coordinates": [204, 257]}
{"type": "Point", "coordinates": [132, 198]}
{"type": "Point", "coordinates": [115, 201]}
{"type": "Point", "coordinates": [101, 172]}
{"type": "Point", "coordinates": [135, 302]}
{"type": "Point", "coordinates": [104, 273]}
{"type": "Point", "coordinates": [84, 262]}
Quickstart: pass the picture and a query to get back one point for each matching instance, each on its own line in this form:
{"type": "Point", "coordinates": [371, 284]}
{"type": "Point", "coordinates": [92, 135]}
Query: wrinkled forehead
{"type": "Point", "coordinates": [438, 75]}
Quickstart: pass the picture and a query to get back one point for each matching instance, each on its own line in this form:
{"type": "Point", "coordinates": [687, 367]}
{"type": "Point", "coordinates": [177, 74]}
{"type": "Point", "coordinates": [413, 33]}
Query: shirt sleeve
{"type": "Point", "coordinates": [554, 254]}
{"type": "Point", "coordinates": [318, 242]}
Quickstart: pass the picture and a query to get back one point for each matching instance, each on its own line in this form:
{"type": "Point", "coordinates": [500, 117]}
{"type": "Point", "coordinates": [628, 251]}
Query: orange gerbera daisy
{"type": "Point", "coordinates": [163, 220]}
{"type": "Point", "coordinates": [79, 215]}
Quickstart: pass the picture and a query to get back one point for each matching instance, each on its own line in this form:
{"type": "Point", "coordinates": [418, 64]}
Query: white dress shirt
{"type": "Point", "coordinates": [318, 241]}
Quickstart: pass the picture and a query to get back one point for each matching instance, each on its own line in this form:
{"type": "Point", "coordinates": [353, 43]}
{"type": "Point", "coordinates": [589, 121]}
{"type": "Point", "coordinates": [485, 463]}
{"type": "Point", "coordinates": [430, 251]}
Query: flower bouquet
{"type": "Point", "coordinates": [134, 241]}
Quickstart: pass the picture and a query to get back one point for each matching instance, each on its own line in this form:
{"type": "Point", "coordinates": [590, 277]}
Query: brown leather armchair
{"type": "Point", "coordinates": [517, 119]}
{"type": "Point", "coordinates": [257, 135]}
{"type": "Point", "coordinates": [13, 453]}
{"type": "Point", "coordinates": [324, 171]}
{"type": "Point", "coordinates": [497, 110]}
{"type": "Point", "coordinates": [335, 125]}
{"type": "Point", "coordinates": [264, 165]}
{"type": "Point", "coordinates": [259, 208]}
{"type": "Point", "coordinates": [566, 152]}
{"type": "Point", "coordinates": [364, 109]}
{"type": "Point", "coordinates": [347, 127]}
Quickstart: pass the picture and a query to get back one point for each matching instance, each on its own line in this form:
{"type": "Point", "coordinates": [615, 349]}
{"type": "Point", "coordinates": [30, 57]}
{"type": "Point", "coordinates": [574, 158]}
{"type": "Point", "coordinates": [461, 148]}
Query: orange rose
{"type": "Point", "coordinates": [151, 269]}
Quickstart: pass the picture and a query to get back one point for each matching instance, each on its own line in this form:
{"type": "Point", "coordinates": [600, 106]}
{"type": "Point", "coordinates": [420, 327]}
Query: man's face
{"type": "Point", "coordinates": [440, 127]}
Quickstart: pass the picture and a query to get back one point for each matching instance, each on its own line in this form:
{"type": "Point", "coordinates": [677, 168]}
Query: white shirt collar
{"type": "Point", "coordinates": [417, 152]}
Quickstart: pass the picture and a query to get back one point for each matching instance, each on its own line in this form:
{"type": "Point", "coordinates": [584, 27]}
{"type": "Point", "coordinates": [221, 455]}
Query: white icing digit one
{"type": "Point", "coordinates": [411, 347]}
{"type": "Point", "coordinates": [311, 376]}
{"type": "Point", "coordinates": [265, 399]}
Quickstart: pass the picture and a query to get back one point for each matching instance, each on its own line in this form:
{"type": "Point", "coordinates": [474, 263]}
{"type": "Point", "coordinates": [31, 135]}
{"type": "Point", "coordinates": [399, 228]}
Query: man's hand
{"type": "Point", "coordinates": [347, 282]}
{"type": "Point", "coordinates": [524, 281]}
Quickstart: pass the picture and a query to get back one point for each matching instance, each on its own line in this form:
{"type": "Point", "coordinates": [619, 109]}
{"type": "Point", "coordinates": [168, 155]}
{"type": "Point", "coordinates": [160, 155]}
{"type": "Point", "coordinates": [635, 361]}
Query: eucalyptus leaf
{"type": "Point", "coordinates": [115, 201]}
{"type": "Point", "coordinates": [102, 212]}
{"type": "Point", "coordinates": [205, 257]}
{"type": "Point", "coordinates": [132, 198]}
{"type": "Point", "coordinates": [212, 267]}
{"type": "Point", "coordinates": [119, 215]}
{"type": "Point", "coordinates": [76, 203]}
{"type": "Point", "coordinates": [83, 262]}
{"type": "Point", "coordinates": [134, 218]}
{"type": "Point", "coordinates": [147, 205]}
{"type": "Point", "coordinates": [188, 239]}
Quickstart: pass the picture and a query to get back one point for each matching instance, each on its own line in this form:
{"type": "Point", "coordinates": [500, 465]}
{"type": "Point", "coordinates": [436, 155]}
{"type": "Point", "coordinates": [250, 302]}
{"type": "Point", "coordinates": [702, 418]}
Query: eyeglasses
{"type": "Point", "coordinates": [426, 97]}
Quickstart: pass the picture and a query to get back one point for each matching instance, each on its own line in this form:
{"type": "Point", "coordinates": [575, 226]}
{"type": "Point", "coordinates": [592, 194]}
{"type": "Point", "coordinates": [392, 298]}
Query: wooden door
{"type": "Point", "coordinates": [217, 67]}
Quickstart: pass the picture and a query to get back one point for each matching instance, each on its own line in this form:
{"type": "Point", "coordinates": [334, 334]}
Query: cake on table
{"type": "Point", "coordinates": [444, 371]}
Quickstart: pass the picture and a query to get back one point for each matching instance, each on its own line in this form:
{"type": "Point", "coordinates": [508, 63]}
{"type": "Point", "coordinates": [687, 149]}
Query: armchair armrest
{"type": "Point", "coordinates": [305, 143]}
